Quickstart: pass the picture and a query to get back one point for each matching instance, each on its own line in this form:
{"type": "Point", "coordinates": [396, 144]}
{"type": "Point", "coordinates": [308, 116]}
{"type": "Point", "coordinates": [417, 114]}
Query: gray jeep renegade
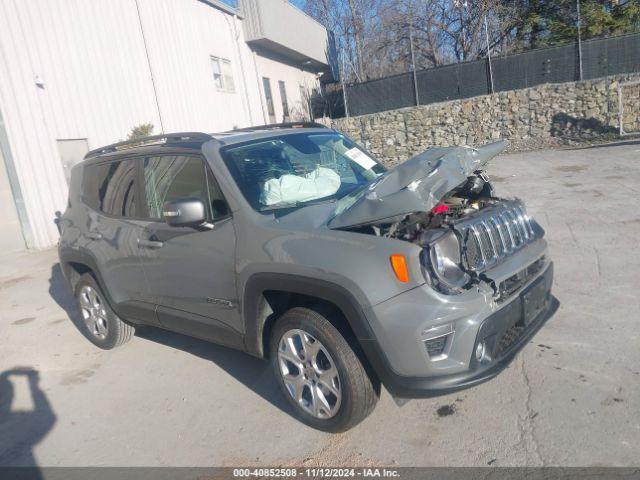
{"type": "Point", "coordinates": [293, 243]}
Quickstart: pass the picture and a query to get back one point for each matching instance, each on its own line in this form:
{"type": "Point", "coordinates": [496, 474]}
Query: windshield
{"type": "Point", "coordinates": [291, 170]}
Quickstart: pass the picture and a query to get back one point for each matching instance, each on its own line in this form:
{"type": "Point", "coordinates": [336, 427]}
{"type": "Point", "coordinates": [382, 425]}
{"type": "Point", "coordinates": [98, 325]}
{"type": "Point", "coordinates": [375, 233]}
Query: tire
{"type": "Point", "coordinates": [98, 322]}
{"type": "Point", "coordinates": [301, 377]}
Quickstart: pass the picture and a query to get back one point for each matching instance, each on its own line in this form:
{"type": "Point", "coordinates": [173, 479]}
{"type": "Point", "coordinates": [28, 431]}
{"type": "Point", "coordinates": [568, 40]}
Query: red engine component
{"type": "Point", "coordinates": [438, 209]}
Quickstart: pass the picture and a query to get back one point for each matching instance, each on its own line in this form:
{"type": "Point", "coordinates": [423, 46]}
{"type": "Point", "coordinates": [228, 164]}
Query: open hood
{"type": "Point", "coordinates": [416, 185]}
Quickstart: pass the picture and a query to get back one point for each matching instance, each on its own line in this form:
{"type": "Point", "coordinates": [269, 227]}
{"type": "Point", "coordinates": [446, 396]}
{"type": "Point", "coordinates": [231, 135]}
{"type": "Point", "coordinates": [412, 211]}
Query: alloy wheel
{"type": "Point", "coordinates": [93, 311]}
{"type": "Point", "coordinates": [309, 374]}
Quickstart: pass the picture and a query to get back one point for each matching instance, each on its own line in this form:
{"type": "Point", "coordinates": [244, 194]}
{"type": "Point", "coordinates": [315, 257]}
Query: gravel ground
{"type": "Point", "coordinates": [570, 398]}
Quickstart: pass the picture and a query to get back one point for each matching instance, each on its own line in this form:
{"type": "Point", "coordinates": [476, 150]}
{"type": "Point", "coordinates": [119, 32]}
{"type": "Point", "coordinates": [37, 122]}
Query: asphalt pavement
{"type": "Point", "coordinates": [572, 396]}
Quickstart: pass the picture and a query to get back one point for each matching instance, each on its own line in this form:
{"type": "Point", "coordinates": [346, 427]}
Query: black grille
{"type": "Point", "coordinates": [436, 346]}
{"type": "Point", "coordinates": [508, 338]}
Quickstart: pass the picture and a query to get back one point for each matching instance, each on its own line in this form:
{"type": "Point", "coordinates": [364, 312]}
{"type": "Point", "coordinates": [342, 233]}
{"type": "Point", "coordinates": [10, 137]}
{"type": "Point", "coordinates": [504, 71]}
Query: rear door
{"type": "Point", "coordinates": [190, 271]}
{"type": "Point", "coordinates": [112, 190]}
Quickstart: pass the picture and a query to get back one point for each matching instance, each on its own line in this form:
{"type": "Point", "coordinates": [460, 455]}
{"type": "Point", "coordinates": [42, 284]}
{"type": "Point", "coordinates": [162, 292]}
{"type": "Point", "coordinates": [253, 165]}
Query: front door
{"type": "Point", "coordinates": [190, 271]}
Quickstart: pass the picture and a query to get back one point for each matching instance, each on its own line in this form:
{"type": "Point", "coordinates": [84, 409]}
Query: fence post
{"type": "Point", "coordinates": [579, 39]}
{"type": "Point", "coordinates": [344, 87]}
{"type": "Point", "coordinates": [413, 66]}
{"type": "Point", "coordinates": [486, 31]}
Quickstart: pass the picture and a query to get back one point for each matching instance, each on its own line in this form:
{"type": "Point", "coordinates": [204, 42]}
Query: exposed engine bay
{"type": "Point", "coordinates": [471, 197]}
{"type": "Point", "coordinates": [466, 233]}
{"type": "Point", "coordinates": [442, 200]}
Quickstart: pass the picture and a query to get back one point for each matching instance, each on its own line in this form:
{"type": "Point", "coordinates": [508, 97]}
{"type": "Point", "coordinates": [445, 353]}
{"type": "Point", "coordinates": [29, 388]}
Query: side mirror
{"type": "Point", "coordinates": [184, 212]}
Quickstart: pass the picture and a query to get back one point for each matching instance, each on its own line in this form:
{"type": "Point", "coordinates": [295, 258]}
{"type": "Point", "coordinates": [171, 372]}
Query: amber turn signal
{"type": "Point", "coordinates": [399, 265]}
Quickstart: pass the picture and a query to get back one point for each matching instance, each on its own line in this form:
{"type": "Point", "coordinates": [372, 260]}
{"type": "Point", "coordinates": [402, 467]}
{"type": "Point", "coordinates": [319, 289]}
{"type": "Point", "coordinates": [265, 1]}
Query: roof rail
{"type": "Point", "coordinates": [275, 126]}
{"type": "Point", "coordinates": [180, 137]}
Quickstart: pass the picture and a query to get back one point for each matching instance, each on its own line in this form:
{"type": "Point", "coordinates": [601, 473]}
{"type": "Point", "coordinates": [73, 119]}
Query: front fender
{"type": "Point", "coordinates": [349, 299]}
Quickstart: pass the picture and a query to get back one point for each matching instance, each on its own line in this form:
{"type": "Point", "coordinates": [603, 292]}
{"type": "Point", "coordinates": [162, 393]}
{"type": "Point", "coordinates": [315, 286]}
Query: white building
{"type": "Point", "coordinates": [79, 74]}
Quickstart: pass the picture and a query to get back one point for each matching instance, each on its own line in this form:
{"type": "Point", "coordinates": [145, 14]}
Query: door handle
{"type": "Point", "coordinates": [149, 244]}
{"type": "Point", "coordinates": [94, 235]}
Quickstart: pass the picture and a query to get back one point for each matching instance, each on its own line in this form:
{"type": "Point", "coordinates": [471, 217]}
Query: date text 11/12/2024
{"type": "Point", "coordinates": [317, 472]}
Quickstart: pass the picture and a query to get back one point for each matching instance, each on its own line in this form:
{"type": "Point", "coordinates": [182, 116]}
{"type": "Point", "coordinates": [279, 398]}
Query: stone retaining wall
{"type": "Point", "coordinates": [531, 118]}
{"type": "Point", "coordinates": [631, 107]}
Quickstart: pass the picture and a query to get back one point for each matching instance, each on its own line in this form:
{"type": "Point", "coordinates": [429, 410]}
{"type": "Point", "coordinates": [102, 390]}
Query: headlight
{"type": "Point", "coordinates": [444, 262]}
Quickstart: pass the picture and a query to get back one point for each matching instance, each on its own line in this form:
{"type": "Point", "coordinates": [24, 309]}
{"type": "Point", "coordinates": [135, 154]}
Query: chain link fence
{"type": "Point", "coordinates": [600, 57]}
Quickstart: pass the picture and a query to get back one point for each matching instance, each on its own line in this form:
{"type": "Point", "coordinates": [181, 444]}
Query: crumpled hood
{"type": "Point", "coordinates": [416, 185]}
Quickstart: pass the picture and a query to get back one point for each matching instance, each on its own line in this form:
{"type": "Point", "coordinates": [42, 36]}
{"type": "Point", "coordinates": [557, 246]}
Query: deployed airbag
{"type": "Point", "coordinates": [322, 182]}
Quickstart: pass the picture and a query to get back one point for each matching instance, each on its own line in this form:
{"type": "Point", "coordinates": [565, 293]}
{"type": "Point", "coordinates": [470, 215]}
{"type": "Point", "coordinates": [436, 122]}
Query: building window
{"type": "Point", "coordinates": [223, 75]}
{"type": "Point", "coordinates": [304, 100]}
{"type": "Point", "coordinates": [266, 84]}
{"type": "Point", "coordinates": [283, 99]}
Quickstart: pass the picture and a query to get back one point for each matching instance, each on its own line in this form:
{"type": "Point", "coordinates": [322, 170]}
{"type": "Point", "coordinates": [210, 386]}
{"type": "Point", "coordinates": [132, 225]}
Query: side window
{"type": "Point", "coordinates": [172, 177]}
{"type": "Point", "coordinates": [111, 188]}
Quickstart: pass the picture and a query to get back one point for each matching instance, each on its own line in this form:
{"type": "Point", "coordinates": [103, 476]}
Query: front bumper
{"type": "Point", "coordinates": [504, 333]}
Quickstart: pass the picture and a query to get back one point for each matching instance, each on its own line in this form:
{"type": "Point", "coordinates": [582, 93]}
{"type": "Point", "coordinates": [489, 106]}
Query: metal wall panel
{"type": "Point", "coordinates": [181, 36]}
{"type": "Point", "coordinates": [68, 69]}
{"type": "Point", "coordinates": [94, 69]}
{"type": "Point", "coordinates": [302, 34]}
{"type": "Point", "coordinates": [11, 239]}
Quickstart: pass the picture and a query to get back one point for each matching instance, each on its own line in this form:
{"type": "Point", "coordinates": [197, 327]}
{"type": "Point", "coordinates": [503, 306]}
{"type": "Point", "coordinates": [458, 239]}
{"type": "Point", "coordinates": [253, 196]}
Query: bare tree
{"type": "Point", "coordinates": [375, 34]}
{"type": "Point", "coordinates": [357, 26]}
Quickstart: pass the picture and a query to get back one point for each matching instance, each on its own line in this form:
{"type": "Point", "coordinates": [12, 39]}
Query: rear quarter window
{"type": "Point", "coordinates": [111, 187]}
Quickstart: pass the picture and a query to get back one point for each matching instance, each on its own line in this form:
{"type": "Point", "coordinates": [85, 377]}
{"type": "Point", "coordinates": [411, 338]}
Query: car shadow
{"type": "Point", "coordinates": [61, 294]}
{"type": "Point", "coordinates": [252, 372]}
{"type": "Point", "coordinates": [25, 419]}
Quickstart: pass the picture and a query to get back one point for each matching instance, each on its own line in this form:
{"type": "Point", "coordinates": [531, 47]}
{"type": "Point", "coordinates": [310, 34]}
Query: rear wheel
{"type": "Point", "coordinates": [319, 373]}
{"type": "Point", "coordinates": [100, 324]}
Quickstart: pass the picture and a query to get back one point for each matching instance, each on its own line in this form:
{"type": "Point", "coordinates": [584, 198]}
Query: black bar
{"type": "Point", "coordinates": [319, 472]}
{"type": "Point", "coordinates": [169, 137]}
{"type": "Point", "coordinates": [275, 126]}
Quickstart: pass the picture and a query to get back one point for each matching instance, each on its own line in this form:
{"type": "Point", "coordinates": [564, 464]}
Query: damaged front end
{"type": "Point", "coordinates": [460, 251]}
{"type": "Point", "coordinates": [443, 201]}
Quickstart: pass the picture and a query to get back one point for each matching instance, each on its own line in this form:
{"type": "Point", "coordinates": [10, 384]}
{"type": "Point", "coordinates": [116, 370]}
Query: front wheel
{"type": "Point", "coordinates": [319, 373]}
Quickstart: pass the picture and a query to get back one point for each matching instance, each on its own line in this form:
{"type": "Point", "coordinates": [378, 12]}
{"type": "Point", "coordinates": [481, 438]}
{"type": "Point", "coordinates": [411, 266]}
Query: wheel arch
{"type": "Point", "coordinates": [264, 291]}
{"type": "Point", "coordinates": [75, 264]}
